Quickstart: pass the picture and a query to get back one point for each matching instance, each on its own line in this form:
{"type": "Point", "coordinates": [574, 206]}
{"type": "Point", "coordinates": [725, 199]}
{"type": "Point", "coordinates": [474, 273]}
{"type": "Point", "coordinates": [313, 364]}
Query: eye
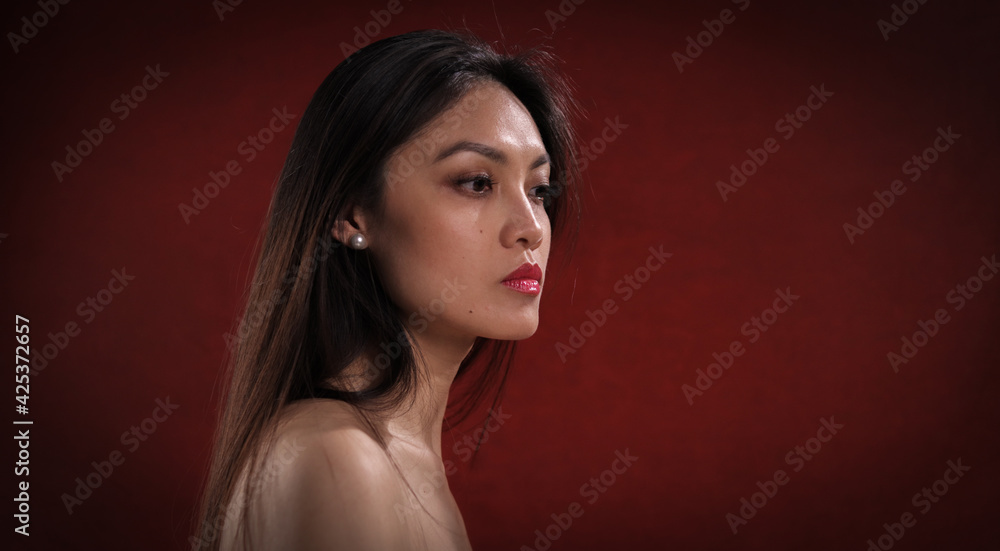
{"type": "Point", "coordinates": [546, 193]}
{"type": "Point", "coordinates": [476, 183]}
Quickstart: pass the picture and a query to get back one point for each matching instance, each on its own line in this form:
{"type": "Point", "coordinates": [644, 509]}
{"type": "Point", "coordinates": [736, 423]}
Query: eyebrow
{"type": "Point", "coordinates": [490, 153]}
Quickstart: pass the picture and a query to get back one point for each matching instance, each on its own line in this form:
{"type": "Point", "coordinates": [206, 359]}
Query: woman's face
{"type": "Point", "coordinates": [463, 210]}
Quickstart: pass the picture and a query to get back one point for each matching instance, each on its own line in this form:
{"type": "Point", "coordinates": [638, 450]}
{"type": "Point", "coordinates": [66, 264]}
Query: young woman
{"type": "Point", "coordinates": [406, 245]}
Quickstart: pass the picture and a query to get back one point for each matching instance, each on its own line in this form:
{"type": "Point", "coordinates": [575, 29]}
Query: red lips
{"type": "Point", "coordinates": [526, 279]}
{"type": "Point", "coordinates": [526, 271]}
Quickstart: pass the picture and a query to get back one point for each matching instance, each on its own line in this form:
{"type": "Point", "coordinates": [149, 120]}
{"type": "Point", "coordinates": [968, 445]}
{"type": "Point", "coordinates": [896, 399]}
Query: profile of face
{"type": "Point", "coordinates": [463, 210]}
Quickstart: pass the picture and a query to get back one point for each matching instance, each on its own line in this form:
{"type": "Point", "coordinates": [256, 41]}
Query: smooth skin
{"type": "Point", "coordinates": [464, 206]}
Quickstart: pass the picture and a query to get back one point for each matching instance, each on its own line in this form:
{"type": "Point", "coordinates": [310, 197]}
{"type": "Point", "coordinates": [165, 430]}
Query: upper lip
{"type": "Point", "coordinates": [525, 271]}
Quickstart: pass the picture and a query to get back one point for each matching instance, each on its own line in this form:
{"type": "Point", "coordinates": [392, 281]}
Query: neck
{"type": "Point", "coordinates": [414, 426]}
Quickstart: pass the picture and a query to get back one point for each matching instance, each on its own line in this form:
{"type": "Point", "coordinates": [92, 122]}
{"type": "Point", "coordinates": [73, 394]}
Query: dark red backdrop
{"type": "Point", "coordinates": [651, 182]}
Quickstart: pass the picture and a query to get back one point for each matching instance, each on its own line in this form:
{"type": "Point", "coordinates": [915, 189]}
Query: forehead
{"type": "Point", "coordinates": [490, 114]}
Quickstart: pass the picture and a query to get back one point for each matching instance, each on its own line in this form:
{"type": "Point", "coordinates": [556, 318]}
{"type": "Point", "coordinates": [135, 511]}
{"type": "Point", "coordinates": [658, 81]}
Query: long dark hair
{"type": "Point", "coordinates": [314, 305]}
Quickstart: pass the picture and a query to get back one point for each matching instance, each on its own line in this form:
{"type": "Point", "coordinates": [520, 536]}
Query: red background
{"type": "Point", "coordinates": [653, 185]}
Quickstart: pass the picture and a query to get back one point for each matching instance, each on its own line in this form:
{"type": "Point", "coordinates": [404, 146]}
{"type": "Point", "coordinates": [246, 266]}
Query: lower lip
{"type": "Point", "coordinates": [526, 286]}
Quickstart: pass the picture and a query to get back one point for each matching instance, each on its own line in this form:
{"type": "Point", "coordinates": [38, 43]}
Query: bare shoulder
{"type": "Point", "coordinates": [326, 483]}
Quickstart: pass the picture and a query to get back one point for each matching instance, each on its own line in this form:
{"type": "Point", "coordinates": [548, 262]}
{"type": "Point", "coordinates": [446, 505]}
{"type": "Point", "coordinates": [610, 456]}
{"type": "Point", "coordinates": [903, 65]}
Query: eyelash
{"type": "Point", "coordinates": [547, 192]}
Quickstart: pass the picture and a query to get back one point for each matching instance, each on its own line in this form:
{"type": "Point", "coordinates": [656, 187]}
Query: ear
{"type": "Point", "coordinates": [356, 221]}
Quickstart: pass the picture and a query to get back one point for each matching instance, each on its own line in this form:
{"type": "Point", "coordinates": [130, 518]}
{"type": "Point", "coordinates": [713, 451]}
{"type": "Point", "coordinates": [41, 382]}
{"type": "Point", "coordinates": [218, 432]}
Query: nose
{"type": "Point", "coordinates": [522, 227]}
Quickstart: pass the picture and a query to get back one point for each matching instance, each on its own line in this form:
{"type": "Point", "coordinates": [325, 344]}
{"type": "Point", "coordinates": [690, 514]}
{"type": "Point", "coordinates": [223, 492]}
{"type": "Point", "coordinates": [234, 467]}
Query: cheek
{"type": "Point", "coordinates": [422, 257]}
{"type": "Point", "coordinates": [547, 225]}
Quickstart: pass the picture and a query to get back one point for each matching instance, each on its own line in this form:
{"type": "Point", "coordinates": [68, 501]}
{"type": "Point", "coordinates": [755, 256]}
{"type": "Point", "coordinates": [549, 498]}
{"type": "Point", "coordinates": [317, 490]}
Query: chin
{"type": "Point", "coordinates": [519, 336]}
{"type": "Point", "coordinates": [512, 331]}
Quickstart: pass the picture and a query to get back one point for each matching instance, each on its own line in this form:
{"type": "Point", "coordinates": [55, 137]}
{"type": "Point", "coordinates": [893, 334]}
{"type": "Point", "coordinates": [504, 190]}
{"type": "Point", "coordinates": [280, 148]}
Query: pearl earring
{"type": "Point", "coordinates": [357, 241]}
